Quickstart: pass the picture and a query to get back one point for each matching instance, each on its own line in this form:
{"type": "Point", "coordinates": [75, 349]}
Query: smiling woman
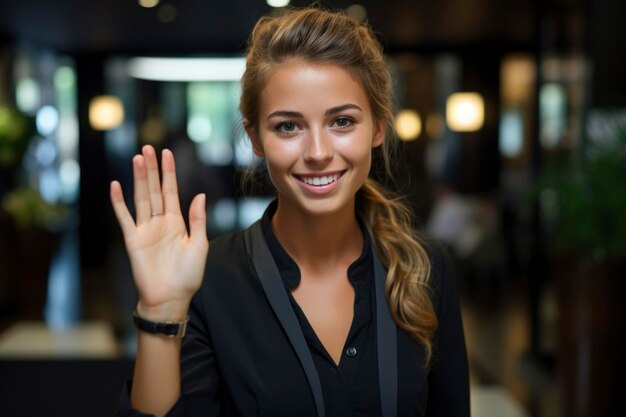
{"type": "Point", "coordinates": [318, 147]}
{"type": "Point", "coordinates": [330, 304]}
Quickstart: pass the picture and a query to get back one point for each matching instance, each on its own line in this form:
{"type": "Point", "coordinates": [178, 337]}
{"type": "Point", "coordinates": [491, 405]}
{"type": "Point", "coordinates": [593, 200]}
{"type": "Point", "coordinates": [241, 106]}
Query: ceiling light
{"type": "Point", "coordinates": [105, 112]}
{"type": "Point", "coordinates": [408, 125]}
{"type": "Point", "coordinates": [148, 3]}
{"type": "Point", "coordinates": [187, 69]}
{"type": "Point", "coordinates": [465, 112]}
{"type": "Point", "coordinates": [278, 3]}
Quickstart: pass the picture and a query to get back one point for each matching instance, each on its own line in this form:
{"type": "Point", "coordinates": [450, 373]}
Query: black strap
{"type": "Point", "coordinates": [275, 291]}
{"type": "Point", "coordinates": [387, 345]}
{"type": "Point", "coordinates": [385, 327]}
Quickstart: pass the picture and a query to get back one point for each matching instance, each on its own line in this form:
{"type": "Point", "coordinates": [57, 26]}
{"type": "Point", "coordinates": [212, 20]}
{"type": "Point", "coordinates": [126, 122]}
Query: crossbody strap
{"type": "Point", "coordinates": [276, 294]}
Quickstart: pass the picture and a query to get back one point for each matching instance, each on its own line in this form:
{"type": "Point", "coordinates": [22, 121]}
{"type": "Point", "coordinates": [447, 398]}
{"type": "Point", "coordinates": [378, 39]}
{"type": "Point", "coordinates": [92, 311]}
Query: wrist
{"type": "Point", "coordinates": [170, 329]}
{"type": "Point", "coordinates": [168, 312]}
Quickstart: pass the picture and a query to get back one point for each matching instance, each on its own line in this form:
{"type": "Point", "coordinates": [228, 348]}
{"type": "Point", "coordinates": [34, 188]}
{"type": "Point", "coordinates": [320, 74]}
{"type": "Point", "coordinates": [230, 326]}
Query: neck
{"type": "Point", "coordinates": [318, 241]}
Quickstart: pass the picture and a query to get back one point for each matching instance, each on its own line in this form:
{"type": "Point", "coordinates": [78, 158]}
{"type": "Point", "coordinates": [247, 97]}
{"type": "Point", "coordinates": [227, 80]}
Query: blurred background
{"type": "Point", "coordinates": [512, 120]}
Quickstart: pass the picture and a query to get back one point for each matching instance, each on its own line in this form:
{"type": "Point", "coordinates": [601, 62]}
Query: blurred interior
{"type": "Point", "coordinates": [505, 110]}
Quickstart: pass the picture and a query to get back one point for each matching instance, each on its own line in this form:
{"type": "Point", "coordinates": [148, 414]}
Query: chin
{"type": "Point", "coordinates": [325, 206]}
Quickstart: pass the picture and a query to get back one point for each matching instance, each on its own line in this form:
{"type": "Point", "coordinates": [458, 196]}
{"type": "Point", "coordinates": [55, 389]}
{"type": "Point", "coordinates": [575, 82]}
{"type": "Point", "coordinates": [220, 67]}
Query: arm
{"type": "Point", "coordinates": [448, 392]}
{"type": "Point", "coordinates": [168, 265]}
{"type": "Point", "coordinates": [199, 379]}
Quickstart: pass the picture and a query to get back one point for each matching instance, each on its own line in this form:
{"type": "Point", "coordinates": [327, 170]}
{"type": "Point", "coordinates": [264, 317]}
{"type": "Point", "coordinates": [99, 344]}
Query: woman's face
{"type": "Point", "coordinates": [316, 131]}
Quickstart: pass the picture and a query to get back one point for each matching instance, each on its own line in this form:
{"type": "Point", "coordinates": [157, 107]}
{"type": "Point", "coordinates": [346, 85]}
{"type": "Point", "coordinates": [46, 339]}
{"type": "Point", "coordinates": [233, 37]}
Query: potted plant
{"type": "Point", "coordinates": [28, 224]}
{"type": "Point", "coordinates": [583, 206]}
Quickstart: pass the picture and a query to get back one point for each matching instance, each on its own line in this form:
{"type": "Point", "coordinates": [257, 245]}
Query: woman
{"type": "Point", "coordinates": [329, 305]}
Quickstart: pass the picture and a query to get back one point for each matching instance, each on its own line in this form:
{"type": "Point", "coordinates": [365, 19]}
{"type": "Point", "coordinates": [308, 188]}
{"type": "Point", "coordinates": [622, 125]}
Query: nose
{"type": "Point", "coordinates": [318, 148]}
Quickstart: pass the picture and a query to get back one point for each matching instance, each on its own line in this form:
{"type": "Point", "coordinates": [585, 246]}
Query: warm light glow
{"type": "Point", "coordinates": [187, 69]}
{"type": "Point", "coordinates": [408, 124]}
{"type": "Point", "coordinates": [465, 112]}
{"type": "Point", "coordinates": [152, 130]}
{"type": "Point", "coordinates": [517, 75]}
{"type": "Point", "coordinates": [356, 12]}
{"type": "Point", "coordinates": [277, 3]}
{"type": "Point", "coordinates": [148, 3]}
{"type": "Point", "coordinates": [435, 126]}
{"type": "Point", "coordinates": [105, 112]}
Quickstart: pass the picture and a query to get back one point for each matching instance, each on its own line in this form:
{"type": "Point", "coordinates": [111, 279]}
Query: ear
{"type": "Point", "coordinates": [252, 132]}
{"type": "Point", "coordinates": [379, 135]}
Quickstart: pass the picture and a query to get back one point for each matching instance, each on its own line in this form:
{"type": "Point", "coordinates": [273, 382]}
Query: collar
{"type": "Point", "coordinates": [289, 270]}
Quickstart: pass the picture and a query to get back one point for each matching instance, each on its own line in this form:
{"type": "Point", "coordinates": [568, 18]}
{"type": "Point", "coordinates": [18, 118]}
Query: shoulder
{"type": "Point", "coordinates": [227, 259]}
{"type": "Point", "coordinates": [229, 273]}
{"type": "Point", "coordinates": [223, 248]}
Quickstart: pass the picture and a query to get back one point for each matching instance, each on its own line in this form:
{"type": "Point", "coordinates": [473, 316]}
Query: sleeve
{"type": "Point", "coordinates": [199, 375]}
{"type": "Point", "coordinates": [448, 381]}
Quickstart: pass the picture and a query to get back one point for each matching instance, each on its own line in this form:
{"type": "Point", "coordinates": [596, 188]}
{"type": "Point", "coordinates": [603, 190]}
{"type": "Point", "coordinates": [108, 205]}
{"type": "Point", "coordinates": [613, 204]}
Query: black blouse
{"type": "Point", "coordinates": [237, 361]}
{"type": "Point", "coordinates": [350, 388]}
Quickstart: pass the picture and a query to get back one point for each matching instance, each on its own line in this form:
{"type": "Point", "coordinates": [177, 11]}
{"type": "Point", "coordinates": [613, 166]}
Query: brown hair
{"type": "Point", "coordinates": [332, 38]}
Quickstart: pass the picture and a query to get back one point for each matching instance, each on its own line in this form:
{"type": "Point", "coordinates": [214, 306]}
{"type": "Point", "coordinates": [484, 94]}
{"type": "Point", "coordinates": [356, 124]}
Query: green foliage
{"type": "Point", "coordinates": [584, 201]}
{"type": "Point", "coordinates": [16, 129]}
{"type": "Point", "coordinates": [29, 210]}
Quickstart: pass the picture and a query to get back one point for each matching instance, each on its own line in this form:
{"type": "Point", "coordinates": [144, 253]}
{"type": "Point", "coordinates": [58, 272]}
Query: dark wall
{"type": "Point", "coordinates": [94, 204]}
{"type": "Point", "coordinates": [607, 34]}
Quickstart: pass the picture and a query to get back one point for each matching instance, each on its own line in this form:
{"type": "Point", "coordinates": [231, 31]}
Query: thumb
{"type": "Point", "coordinates": [197, 218]}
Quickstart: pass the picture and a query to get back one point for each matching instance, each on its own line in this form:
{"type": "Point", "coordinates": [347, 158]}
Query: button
{"type": "Point", "coordinates": [351, 352]}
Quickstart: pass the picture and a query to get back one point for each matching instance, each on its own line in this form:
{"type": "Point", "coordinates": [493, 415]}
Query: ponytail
{"type": "Point", "coordinates": [407, 289]}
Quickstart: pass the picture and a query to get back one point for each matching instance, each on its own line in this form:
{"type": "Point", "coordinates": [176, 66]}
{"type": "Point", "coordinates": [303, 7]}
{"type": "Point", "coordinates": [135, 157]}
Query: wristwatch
{"type": "Point", "coordinates": [167, 328]}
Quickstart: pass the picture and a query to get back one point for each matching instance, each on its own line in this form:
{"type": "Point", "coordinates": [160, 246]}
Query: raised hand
{"type": "Point", "coordinates": [167, 262]}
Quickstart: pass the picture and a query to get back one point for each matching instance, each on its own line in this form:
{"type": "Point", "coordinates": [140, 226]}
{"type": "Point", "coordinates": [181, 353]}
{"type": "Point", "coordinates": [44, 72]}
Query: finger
{"type": "Point", "coordinates": [122, 214]}
{"type": "Point", "coordinates": [142, 200]}
{"type": "Point", "coordinates": [154, 183]}
{"type": "Point", "coordinates": [197, 218]}
{"type": "Point", "coordinates": [170, 187]}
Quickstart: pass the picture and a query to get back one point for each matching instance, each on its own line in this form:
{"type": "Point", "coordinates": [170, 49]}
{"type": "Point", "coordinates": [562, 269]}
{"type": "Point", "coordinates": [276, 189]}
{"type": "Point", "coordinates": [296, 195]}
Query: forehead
{"type": "Point", "coordinates": [304, 86]}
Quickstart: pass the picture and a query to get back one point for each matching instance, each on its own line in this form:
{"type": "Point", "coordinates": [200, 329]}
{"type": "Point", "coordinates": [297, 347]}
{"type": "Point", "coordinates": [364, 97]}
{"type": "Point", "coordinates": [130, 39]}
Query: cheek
{"type": "Point", "coordinates": [279, 152]}
{"type": "Point", "coordinates": [356, 150]}
{"type": "Point", "coordinates": [280, 157]}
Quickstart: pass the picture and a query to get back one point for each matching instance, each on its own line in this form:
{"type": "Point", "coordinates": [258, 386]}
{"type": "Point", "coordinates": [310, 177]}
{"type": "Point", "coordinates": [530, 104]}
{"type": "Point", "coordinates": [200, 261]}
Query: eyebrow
{"type": "Point", "coordinates": [295, 114]}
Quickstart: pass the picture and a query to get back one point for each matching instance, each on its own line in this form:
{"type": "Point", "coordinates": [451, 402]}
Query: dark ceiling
{"type": "Point", "coordinates": [205, 26]}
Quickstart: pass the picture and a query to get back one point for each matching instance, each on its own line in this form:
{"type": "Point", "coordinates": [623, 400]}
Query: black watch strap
{"type": "Point", "coordinates": [168, 328]}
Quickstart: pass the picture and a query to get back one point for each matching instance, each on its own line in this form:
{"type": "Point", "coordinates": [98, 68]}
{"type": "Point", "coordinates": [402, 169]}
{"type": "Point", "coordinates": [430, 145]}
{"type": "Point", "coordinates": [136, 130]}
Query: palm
{"type": "Point", "coordinates": [167, 262]}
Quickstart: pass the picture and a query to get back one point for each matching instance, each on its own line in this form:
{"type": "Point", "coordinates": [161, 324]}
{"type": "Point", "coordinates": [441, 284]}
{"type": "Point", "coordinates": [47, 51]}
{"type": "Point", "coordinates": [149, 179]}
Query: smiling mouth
{"type": "Point", "coordinates": [319, 181]}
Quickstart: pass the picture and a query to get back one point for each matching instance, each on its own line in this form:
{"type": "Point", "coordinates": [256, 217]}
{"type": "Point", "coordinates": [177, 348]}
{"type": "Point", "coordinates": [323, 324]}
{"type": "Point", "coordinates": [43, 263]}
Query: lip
{"type": "Point", "coordinates": [319, 189]}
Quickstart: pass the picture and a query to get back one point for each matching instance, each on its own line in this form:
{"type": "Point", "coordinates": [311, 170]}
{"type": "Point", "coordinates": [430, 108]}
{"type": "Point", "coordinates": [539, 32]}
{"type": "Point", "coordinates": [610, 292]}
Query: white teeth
{"type": "Point", "coordinates": [321, 180]}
